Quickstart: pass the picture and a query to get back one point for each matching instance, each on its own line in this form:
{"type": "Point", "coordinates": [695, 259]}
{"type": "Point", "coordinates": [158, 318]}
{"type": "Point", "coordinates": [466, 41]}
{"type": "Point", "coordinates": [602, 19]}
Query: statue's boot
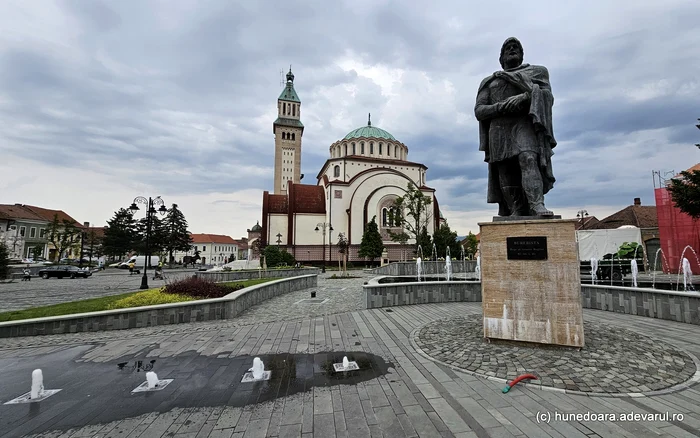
{"type": "Point", "coordinates": [513, 196]}
{"type": "Point", "coordinates": [535, 197]}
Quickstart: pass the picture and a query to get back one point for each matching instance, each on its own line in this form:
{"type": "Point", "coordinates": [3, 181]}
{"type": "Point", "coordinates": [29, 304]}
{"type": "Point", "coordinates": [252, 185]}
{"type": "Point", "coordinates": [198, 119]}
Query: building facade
{"type": "Point", "coordinates": [367, 170]}
{"type": "Point", "coordinates": [214, 249]}
{"type": "Point", "coordinates": [22, 231]}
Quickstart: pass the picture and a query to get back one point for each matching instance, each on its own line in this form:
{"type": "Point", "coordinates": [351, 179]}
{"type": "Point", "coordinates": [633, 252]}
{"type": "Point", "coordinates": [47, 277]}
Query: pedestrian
{"type": "Point", "coordinates": [131, 267]}
{"type": "Point", "coordinates": [27, 275]}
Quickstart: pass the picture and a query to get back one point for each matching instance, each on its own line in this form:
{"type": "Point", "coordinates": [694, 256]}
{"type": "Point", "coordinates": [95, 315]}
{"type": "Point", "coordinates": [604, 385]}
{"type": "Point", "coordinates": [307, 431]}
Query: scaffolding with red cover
{"type": "Point", "coordinates": [676, 231]}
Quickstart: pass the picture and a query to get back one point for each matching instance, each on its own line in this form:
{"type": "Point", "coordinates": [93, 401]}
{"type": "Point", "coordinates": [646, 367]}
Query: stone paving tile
{"type": "Point", "coordinates": [417, 398]}
{"type": "Point", "coordinates": [613, 361]}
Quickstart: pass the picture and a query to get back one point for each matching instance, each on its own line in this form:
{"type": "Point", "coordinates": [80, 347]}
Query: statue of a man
{"type": "Point", "coordinates": [514, 110]}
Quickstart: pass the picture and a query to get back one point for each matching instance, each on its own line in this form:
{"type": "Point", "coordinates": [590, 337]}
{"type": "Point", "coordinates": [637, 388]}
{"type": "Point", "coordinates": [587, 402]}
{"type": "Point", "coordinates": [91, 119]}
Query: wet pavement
{"type": "Point", "coordinates": [402, 393]}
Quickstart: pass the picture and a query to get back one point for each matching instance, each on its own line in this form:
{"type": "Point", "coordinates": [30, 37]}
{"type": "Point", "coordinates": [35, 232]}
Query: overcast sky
{"type": "Point", "coordinates": [104, 101]}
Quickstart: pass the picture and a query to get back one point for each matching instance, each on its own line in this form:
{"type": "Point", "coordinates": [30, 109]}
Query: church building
{"type": "Point", "coordinates": [367, 170]}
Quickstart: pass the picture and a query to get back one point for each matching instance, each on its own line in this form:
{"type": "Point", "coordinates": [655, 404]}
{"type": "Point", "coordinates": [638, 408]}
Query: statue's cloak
{"type": "Point", "coordinates": [533, 79]}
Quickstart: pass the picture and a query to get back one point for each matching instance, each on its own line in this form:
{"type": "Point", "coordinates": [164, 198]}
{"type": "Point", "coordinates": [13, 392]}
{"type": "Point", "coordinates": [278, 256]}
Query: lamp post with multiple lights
{"type": "Point", "coordinates": [582, 214]}
{"type": "Point", "coordinates": [150, 204]}
{"type": "Point", "coordinates": [322, 226]}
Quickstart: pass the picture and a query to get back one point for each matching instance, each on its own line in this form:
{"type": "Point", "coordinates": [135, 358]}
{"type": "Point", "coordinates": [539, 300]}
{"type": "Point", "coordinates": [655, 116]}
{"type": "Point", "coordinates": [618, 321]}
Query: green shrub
{"type": "Point", "coordinates": [149, 298]}
{"type": "Point", "coordinates": [274, 257]}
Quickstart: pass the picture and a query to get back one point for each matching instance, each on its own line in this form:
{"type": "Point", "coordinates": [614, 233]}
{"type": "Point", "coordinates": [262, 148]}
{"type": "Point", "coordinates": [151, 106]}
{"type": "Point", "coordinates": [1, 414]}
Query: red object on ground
{"type": "Point", "coordinates": [518, 379]}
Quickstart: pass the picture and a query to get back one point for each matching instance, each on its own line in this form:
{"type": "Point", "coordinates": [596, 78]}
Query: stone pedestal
{"type": "Point", "coordinates": [385, 257]}
{"type": "Point", "coordinates": [531, 285]}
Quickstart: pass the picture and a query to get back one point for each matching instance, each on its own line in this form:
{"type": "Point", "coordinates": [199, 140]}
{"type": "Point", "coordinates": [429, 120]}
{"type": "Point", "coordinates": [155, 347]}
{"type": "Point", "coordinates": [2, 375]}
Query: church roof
{"type": "Point", "coordinates": [256, 227]}
{"type": "Point", "coordinates": [369, 131]}
{"type": "Point", "coordinates": [289, 93]}
{"type": "Point", "coordinates": [309, 198]}
{"type": "Point", "coordinates": [289, 122]}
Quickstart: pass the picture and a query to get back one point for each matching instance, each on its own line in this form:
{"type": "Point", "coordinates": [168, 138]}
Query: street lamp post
{"type": "Point", "coordinates": [150, 204]}
{"type": "Point", "coordinates": [322, 226]}
{"type": "Point", "coordinates": [583, 214]}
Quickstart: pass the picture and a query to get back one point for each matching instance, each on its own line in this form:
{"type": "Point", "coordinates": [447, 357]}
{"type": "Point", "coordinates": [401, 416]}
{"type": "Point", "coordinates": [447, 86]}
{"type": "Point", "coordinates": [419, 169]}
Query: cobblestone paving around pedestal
{"type": "Point", "coordinates": [614, 360]}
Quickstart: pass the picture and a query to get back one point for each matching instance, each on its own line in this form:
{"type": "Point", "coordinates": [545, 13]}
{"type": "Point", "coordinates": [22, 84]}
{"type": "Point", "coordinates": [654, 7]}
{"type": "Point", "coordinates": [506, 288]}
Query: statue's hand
{"type": "Point", "coordinates": [515, 103]}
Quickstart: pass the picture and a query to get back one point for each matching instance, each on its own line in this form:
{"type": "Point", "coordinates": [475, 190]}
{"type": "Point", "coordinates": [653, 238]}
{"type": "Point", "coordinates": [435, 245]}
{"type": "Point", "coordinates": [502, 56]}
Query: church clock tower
{"type": "Point", "coordinates": [288, 130]}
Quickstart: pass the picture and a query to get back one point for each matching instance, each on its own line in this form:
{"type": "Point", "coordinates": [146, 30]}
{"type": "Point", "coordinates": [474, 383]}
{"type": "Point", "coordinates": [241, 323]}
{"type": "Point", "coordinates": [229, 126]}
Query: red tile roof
{"type": "Point", "coordinates": [696, 167]}
{"type": "Point", "coordinates": [278, 204]}
{"type": "Point", "coordinates": [212, 238]}
{"type": "Point", "coordinates": [588, 222]}
{"type": "Point", "coordinates": [637, 215]}
{"type": "Point", "coordinates": [48, 214]}
{"type": "Point", "coordinates": [309, 198]}
{"type": "Point", "coordinates": [17, 211]}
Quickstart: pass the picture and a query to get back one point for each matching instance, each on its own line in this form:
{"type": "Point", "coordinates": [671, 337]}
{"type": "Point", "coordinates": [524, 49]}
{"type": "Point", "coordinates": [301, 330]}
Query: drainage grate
{"type": "Point", "coordinates": [312, 301]}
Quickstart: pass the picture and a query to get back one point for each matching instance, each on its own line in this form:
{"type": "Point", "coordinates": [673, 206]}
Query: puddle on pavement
{"type": "Point", "coordinates": [101, 392]}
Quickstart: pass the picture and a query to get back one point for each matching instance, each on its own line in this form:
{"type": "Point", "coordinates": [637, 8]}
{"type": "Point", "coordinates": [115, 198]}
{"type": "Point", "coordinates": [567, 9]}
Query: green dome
{"type": "Point", "coordinates": [369, 131]}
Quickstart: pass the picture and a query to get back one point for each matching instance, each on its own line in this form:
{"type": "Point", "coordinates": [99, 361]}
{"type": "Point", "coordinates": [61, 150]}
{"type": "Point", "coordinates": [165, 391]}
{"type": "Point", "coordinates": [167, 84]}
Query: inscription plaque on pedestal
{"type": "Point", "coordinates": [527, 248]}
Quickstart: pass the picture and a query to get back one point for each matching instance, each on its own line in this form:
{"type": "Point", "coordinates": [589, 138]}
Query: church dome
{"type": "Point", "coordinates": [369, 131]}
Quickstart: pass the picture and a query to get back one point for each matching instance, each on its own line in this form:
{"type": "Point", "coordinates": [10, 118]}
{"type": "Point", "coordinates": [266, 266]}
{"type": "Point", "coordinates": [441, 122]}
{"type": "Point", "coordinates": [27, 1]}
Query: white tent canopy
{"type": "Point", "coordinates": [596, 243]}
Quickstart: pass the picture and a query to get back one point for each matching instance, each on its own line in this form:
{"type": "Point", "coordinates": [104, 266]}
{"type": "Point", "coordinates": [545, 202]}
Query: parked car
{"type": "Point", "coordinates": [64, 271]}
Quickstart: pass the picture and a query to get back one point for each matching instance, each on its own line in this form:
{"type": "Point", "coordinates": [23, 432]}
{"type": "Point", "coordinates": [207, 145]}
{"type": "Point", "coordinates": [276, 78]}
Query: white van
{"type": "Point", "coordinates": [139, 262]}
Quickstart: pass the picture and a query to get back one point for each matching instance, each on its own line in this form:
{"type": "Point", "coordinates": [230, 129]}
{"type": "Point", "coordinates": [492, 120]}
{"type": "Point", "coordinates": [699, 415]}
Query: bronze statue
{"type": "Point", "coordinates": [514, 110]}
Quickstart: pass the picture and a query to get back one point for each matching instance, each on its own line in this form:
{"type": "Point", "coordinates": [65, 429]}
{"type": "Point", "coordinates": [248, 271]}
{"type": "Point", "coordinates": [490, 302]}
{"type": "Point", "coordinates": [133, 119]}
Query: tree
{"type": "Point", "coordinates": [178, 238]}
{"type": "Point", "coordinates": [426, 243]}
{"type": "Point", "coordinates": [471, 245]}
{"type": "Point", "coordinates": [120, 234]}
{"type": "Point", "coordinates": [371, 245]}
{"type": "Point", "coordinates": [343, 247]}
{"type": "Point", "coordinates": [445, 238]}
{"type": "Point", "coordinates": [157, 237]}
{"type": "Point", "coordinates": [62, 235]}
{"type": "Point", "coordinates": [37, 251]}
{"type": "Point", "coordinates": [275, 257]}
{"type": "Point", "coordinates": [685, 193]}
{"type": "Point", "coordinates": [93, 245]}
{"type": "Point", "coordinates": [4, 261]}
{"type": "Point", "coordinates": [410, 212]}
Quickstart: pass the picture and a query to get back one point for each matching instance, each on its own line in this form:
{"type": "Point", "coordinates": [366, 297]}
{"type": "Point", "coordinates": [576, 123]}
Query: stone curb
{"type": "Point", "coordinates": [676, 388]}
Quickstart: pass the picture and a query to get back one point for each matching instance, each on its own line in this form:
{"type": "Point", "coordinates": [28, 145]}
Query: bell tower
{"type": "Point", "coordinates": [288, 130]}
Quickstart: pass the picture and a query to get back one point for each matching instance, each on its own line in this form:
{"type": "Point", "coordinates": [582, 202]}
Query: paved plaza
{"type": "Point", "coordinates": [18, 295]}
{"type": "Point", "coordinates": [400, 392]}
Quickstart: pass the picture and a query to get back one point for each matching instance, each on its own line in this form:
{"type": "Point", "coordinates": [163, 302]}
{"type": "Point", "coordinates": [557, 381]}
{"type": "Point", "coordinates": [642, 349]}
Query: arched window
{"type": "Point", "coordinates": [396, 151]}
{"type": "Point", "coordinates": [354, 151]}
{"type": "Point", "coordinates": [293, 136]}
{"type": "Point", "coordinates": [294, 110]}
{"type": "Point", "coordinates": [289, 108]}
{"type": "Point", "coordinates": [336, 171]}
{"type": "Point", "coordinates": [385, 217]}
{"type": "Point", "coordinates": [362, 148]}
{"type": "Point", "coordinates": [380, 148]}
{"type": "Point", "coordinates": [371, 148]}
{"type": "Point", "coordinates": [284, 109]}
{"type": "Point", "coordinates": [346, 149]}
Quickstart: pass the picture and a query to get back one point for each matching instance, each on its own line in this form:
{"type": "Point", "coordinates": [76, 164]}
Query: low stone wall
{"type": "Point", "coordinates": [220, 276]}
{"type": "Point", "coordinates": [399, 269]}
{"type": "Point", "coordinates": [652, 303]}
{"type": "Point", "coordinates": [401, 294]}
{"type": "Point", "coordinates": [163, 314]}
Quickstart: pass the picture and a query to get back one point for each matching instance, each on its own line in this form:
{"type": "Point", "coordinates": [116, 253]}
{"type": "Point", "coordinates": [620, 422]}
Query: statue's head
{"type": "Point", "coordinates": [511, 53]}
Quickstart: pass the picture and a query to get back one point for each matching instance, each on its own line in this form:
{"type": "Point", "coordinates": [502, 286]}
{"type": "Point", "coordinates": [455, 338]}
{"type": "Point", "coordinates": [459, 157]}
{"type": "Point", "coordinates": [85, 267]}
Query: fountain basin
{"type": "Point", "coordinates": [386, 291]}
